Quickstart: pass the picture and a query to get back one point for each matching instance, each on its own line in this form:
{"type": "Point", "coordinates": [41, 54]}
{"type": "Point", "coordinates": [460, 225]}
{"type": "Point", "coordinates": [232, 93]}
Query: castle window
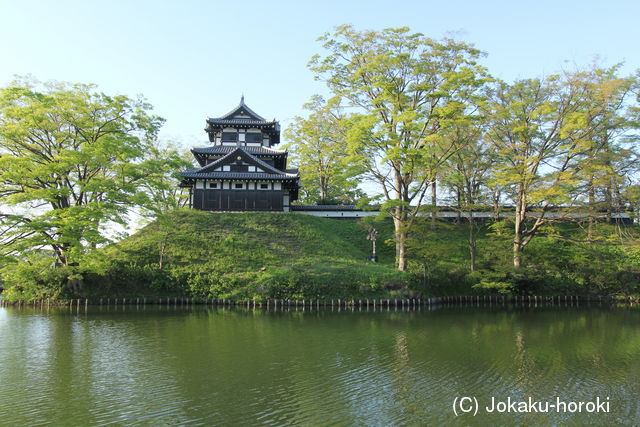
{"type": "Point", "coordinates": [254, 137]}
{"type": "Point", "coordinates": [213, 185]}
{"type": "Point", "coordinates": [238, 186]}
{"type": "Point", "coordinates": [229, 136]}
{"type": "Point", "coordinates": [239, 168]}
{"type": "Point", "coordinates": [264, 186]}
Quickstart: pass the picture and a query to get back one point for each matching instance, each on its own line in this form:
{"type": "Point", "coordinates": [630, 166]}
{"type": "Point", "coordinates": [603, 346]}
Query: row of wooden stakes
{"type": "Point", "coordinates": [396, 302]}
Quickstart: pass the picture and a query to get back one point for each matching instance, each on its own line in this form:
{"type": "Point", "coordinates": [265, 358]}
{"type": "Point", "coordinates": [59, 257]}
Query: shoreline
{"type": "Point", "coordinates": [447, 301]}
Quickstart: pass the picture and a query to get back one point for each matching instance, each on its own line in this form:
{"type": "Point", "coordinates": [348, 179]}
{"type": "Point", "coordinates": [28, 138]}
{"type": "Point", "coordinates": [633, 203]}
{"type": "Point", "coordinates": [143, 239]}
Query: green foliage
{"type": "Point", "coordinates": [34, 279]}
{"type": "Point", "coordinates": [317, 146]}
{"type": "Point", "coordinates": [503, 288]}
{"type": "Point", "coordinates": [160, 192]}
{"type": "Point", "coordinates": [403, 89]}
{"type": "Point", "coordinates": [263, 256]}
{"type": "Point", "coordinates": [557, 142]}
{"type": "Point", "coordinates": [420, 111]}
{"type": "Point", "coordinates": [239, 256]}
{"type": "Point", "coordinates": [561, 261]}
{"type": "Point", "coordinates": [71, 161]}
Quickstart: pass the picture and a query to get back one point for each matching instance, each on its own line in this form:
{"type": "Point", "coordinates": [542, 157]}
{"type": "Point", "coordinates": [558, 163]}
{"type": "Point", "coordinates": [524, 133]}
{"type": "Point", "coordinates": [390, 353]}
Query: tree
{"type": "Point", "coordinates": [161, 190]}
{"type": "Point", "coordinates": [72, 160]}
{"type": "Point", "coordinates": [318, 147]}
{"type": "Point", "coordinates": [607, 165]}
{"type": "Point", "coordinates": [163, 194]}
{"type": "Point", "coordinates": [402, 88]}
{"type": "Point", "coordinates": [540, 129]}
{"type": "Point", "coordinates": [468, 173]}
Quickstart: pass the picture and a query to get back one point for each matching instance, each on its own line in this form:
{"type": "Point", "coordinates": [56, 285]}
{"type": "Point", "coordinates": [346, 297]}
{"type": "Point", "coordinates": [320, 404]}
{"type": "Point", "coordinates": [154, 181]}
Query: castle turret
{"type": "Point", "coordinates": [241, 171]}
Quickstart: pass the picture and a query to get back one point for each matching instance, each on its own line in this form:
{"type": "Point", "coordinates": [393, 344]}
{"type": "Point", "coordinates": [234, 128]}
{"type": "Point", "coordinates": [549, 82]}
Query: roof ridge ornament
{"type": "Point", "coordinates": [245, 109]}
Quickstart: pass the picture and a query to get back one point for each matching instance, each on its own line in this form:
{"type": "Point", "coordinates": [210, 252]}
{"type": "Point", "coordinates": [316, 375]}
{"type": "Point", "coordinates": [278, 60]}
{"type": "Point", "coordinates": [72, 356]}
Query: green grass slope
{"type": "Point", "coordinates": [293, 256]}
{"type": "Point", "coordinates": [245, 255]}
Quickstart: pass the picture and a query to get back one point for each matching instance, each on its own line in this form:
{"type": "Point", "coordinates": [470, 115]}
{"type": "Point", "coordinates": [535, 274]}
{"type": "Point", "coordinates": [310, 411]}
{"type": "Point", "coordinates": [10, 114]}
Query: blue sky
{"type": "Point", "coordinates": [194, 59]}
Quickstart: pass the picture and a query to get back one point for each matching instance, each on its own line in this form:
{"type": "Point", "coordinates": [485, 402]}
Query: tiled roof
{"type": "Point", "coordinates": [209, 171]}
{"type": "Point", "coordinates": [216, 121]}
{"type": "Point", "coordinates": [242, 106]}
{"type": "Point", "coordinates": [224, 149]}
{"type": "Point", "coordinates": [193, 173]}
{"type": "Point", "coordinates": [239, 150]}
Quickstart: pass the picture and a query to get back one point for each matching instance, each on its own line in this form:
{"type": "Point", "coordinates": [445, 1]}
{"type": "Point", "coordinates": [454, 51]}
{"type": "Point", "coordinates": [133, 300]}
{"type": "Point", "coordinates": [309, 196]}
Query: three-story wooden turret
{"type": "Point", "coordinates": [241, 171]}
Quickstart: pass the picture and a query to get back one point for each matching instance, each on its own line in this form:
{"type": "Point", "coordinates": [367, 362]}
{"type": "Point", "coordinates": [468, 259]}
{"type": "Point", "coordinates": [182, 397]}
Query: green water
{"type": "Point", "coordinates": [204, 365]}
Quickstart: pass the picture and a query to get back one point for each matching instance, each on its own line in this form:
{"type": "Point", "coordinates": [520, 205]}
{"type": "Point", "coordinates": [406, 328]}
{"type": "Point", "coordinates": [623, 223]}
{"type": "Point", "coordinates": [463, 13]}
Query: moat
{"type": "Point", "coordinates": [219, 365]}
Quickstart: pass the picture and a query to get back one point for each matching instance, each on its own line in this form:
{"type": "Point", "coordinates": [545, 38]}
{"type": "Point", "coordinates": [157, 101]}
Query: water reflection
{"type": "Point", "coordinates": [309, 365]}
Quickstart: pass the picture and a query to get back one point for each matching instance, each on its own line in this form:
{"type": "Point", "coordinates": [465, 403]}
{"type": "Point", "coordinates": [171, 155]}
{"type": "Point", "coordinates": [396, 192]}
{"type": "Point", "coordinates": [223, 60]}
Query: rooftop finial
{"type": "Point", "coordinates": [242, 99]}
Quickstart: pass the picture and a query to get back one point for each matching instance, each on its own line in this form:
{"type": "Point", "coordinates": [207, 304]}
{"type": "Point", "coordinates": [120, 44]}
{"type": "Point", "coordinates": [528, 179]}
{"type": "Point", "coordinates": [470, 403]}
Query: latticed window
{"type": "Point", "coordinates": [229, 136]}
{"type": "Point", "coordinates": [239, 168]}
{"type": "Point", "coordinates": [254, 137]}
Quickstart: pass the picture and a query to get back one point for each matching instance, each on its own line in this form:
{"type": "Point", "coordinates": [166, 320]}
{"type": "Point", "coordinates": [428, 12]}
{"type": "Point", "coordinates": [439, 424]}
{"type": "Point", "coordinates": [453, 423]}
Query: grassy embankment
{"type": "Point", "coordinates": [293, 256]}
{"type": "Point", "coordinates": [244, 255]}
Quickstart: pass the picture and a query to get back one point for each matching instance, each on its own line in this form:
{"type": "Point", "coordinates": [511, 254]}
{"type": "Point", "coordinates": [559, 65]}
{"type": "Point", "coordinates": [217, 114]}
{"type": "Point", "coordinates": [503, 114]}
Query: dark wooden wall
{"type": "Point", "coordinates": [237, 200]}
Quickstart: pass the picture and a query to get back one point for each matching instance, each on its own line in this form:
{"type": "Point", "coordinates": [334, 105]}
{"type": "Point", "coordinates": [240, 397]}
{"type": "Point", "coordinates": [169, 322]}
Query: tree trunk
{"type": "Point", "coordinates": [517, 235]}
{"type": "Point", "coordinates": [60, 253]}
{"type": "Point", "coordinates": [163, 246]}
{"type": "Point", "coordinates": [76, 285]}
{"type": "Point", "coordinates": [592, 210]}
{"type": "Point", "coordinates": [402, 255]}
{"type": "Point", "coordinates": [323, 190]}
{"type": "Point", "coordinates": [496, 205]}
{"type": "Point", "coordinates": [434, 203]}
{"type": "Point", "coordinates": [472, 242]}
{"type": "Point", "coordinates": [459, 206]}
{"type": "Point", "coordinates": [517, 251]}
{"type": "Point", "coordinates": [609, 200]}
{"type": "Point", "coordinates": [401, 241]}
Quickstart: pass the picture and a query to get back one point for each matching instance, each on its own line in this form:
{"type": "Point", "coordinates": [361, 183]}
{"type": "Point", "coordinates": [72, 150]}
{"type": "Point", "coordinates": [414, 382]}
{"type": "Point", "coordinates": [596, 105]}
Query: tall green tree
{"type": "Point", "coordinates": [72, 160]}
{"type": "Point", "coordinates": [468, 172]}
{"type": "Point", "coordinates": [163, 194]}
{"type": "Point", "coordinates": [318, 146]}
{"type": "Point", "coordinates": [402, 88]}
{"type": "Point", "coordinates": [161, 190]}
{"type": "Point", "coordinates": [607, 166]}
{"type": "Point", "coordinates": [541, 129]}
